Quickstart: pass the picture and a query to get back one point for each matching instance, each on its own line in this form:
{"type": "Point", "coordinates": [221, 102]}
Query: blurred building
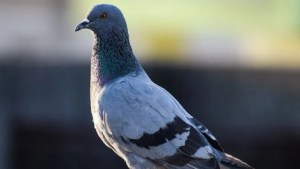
{"type": "Point", "coordinates": [41, 30]}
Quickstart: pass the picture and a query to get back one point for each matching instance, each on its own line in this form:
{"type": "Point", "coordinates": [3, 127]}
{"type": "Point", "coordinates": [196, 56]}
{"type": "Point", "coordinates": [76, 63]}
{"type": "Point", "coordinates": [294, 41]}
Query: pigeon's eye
{"type": "Point", "coordinates": [103, 16]}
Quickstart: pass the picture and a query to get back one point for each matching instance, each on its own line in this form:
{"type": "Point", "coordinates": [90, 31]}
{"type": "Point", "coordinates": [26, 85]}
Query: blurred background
{"type": "Point", "coordinates": [235, 65]}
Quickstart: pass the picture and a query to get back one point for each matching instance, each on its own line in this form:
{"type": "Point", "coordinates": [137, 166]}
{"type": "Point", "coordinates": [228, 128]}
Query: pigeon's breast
{"type": "Point", "coordinates": [98, 117]}
{"type": "Point", "coordinates": [107, 114]}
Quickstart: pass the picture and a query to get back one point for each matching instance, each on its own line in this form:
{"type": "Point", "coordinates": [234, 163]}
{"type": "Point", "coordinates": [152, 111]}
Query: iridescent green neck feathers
{"type": "Point", "coordinates": [112, 56]}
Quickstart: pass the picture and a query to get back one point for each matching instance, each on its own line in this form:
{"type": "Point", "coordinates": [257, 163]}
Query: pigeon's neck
{"type": "Point", "coordinates": [112, 57]}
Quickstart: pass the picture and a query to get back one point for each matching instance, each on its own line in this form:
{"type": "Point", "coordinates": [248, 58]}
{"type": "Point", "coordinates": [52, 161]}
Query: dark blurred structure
{"type": "Point", "coordinates": [46, 121]}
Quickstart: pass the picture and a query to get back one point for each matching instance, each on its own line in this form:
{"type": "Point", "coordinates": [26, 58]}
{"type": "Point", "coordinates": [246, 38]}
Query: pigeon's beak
{"type": "Point", "coordinates": [82, 25]}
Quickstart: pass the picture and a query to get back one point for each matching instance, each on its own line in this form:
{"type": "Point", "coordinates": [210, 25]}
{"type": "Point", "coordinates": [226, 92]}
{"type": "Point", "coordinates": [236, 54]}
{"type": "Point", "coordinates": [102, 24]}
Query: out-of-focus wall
{"type": "Point", "coordinates": [254, 114]}
{"type": "Point", "coordinates": [4, 138]}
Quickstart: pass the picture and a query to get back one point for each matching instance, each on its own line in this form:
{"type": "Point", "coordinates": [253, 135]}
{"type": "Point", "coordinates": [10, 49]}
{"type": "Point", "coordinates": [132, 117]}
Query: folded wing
{"type": "Point", "coordinates": [158, 128]}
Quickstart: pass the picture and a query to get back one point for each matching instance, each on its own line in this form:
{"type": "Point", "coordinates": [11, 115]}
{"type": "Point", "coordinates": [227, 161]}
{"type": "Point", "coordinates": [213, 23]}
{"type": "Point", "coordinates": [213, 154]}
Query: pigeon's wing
{"type": "Point", "coordinates": [155, 126]}
{"type": "Point", "coordinates": [200, 127]}
{"type": "Point", "coordinates": [207, 134]}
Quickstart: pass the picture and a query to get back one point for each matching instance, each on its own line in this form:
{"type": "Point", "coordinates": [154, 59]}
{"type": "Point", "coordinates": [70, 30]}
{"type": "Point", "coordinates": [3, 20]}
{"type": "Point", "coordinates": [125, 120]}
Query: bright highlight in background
{"type": "Point", "coordinates": [244, 33]}
{"type": "Point", "coordinates": [247, 33]}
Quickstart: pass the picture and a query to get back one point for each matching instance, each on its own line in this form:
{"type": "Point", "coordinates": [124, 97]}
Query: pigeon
{"type": "Point", "coordinates": [136, 118]}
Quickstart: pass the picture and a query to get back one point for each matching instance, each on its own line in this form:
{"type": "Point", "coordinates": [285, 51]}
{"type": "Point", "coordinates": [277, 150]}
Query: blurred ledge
{"type": "Point", "coordinates": [252, 112]}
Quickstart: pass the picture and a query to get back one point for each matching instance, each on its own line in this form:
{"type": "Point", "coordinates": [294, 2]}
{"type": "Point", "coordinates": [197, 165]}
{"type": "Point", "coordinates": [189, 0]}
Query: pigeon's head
{"type": "Point", "coordinates": [103, 19]}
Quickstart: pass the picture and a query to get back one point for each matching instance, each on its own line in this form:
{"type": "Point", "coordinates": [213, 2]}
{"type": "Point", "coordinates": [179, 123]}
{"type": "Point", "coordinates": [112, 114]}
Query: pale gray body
{"type": "Point", "coordinates": [131, 106]}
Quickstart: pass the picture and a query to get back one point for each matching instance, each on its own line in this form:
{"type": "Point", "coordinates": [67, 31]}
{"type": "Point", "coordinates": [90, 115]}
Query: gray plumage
{"type": "Point", "coordinates": [139, 120]}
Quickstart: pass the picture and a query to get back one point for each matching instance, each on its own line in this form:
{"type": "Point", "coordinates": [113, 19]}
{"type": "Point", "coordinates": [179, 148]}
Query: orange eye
{"type": "Point", "coordinates": [103, 16]}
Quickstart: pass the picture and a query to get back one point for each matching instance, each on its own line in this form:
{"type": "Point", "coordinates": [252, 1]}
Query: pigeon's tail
{"type": "Point", "coordinates": [227, 161]}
